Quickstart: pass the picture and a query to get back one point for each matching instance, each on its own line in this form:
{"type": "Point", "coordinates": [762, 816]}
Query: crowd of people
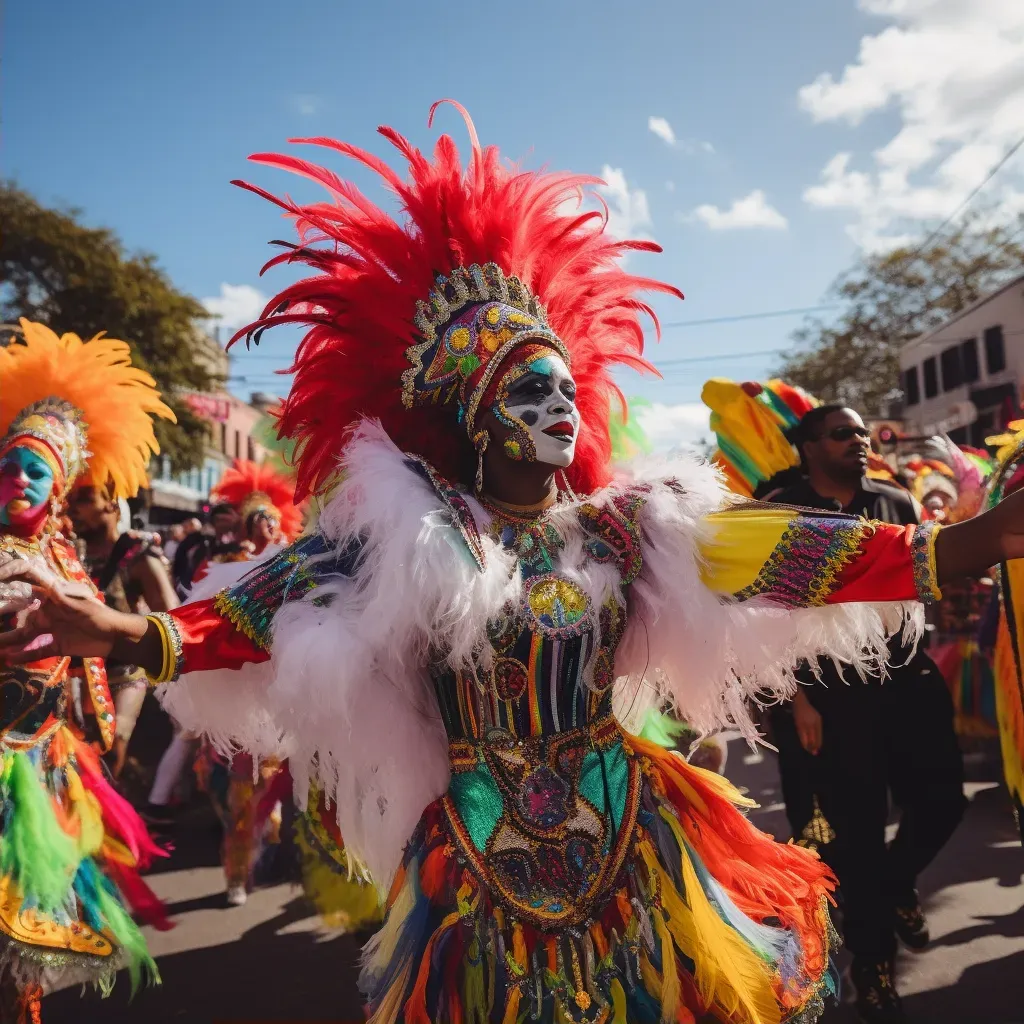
{"type": "Point", "coordinates": [469, 662]}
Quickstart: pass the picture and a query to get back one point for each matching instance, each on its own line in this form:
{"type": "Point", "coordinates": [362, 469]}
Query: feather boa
{"type": "Point", "coordinates": [347, 696]}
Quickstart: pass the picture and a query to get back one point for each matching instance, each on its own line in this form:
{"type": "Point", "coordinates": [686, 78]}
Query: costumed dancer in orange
{"type": "Point", "coordinates": [440, 653]}
{"type": "Point", "coordinates": [248, 798]}
{"type": "Point", "coordinates": [70, 846]}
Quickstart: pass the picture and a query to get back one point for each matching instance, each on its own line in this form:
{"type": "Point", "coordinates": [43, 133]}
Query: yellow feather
{"type": "Point", "coordinates": [86, 808]}
{"type": "Point", "coordinates": [390, 1007]}
{"type": "Point", "coordinates": [728, 973]}
{"type": "Point", "coordinates": [618, 1002]}
{"type": "Point", "coordinates": [670, 987]}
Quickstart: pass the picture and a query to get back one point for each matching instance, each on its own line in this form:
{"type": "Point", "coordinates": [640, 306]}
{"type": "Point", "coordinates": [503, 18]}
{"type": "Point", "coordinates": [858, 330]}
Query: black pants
{"type": "Point", "coordinates": [879, 739]}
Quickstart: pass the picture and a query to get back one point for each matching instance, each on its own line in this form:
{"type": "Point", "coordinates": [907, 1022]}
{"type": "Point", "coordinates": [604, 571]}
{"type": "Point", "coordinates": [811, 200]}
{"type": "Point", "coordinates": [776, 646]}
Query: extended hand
{"type": "Point", "coordinates": [972, 547]}
{"type": "Point", "coordinates": [63, 618]}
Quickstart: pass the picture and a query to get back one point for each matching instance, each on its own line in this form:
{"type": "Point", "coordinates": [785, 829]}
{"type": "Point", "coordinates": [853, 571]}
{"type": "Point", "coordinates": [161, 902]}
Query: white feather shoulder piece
{"type": "Point", "coordinates": [708, 654]}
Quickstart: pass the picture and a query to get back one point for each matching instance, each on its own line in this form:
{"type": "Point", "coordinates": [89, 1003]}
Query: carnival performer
{"type": "Point", "coordinates": [873, 736]}
{"type": "Point", "coordinates": [70, 846]}
{"type": "Point", "coordinates": [440, 654]}
{"type": "Point", "coordinates": [247, 797]}
{"type": "Point", "coordinates": [130, 571]}
{"type": "Point", "coordinates": [950, 484]}
{"type": "Point", "coordinates": [1007, 664]}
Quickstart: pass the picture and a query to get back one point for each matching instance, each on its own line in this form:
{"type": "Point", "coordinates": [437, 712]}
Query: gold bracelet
{"type": "Point", "coordinates": [922, 557]}
{"type": "Point", "coordinates": [170, 647]}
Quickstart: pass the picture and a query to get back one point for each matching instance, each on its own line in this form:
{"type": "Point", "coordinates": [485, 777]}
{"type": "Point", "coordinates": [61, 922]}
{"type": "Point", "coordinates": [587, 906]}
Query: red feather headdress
{"type": "Point", "coordinates": [250, 486]}
{"type": "Point", "coordinates": [466, 235]}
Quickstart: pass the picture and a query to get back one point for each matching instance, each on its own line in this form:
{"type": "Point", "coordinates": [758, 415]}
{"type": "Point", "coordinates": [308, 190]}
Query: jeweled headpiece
{"type": "Point", "coordinates": [85, 401]}
{"type": "Point", "coordinates": [472, 320]}
{"type": "Point", "coordinates": [409, 317]}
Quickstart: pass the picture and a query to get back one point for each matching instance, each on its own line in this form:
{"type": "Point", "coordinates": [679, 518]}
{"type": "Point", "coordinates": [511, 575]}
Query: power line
{"type": "Point", "coordinates": [687, 360]}
{"type": "Point", "coordinates": [988, 177]}
{"type": "Point", "coordinates": [750, 316]}
{"type": "Point", "coordinates": [764, 315]}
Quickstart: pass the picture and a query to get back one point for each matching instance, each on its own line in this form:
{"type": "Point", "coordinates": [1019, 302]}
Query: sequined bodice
{"type": "Point", "coordinates": [34, 698]}
{"type": "Point", "coordinates": [551, 653]}
{"type": "Point", "coordinates": [543, 794]}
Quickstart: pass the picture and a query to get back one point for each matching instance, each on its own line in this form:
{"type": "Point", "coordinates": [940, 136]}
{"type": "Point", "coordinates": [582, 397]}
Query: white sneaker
{"type": "Point", "coordinates": [237, 895]}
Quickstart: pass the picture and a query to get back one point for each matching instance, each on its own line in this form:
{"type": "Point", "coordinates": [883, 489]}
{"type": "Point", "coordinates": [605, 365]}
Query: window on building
{"type": "Point", "coordinates": [995, 351]}
{"type": "Point", "coordinates": [224, 438]}
{"type": "Point", "coordinates": [911, 386]}
{"type": "Point", "coordinates": [969, 360]}
{"type": "Point", "coordinates": [238, 444]}
{"type": "Point", "coordinates": [250, 445]}
{"type": "Point", "coordinates": [931, 377]}
{"type": "Point", "coordinates": [952, 373]}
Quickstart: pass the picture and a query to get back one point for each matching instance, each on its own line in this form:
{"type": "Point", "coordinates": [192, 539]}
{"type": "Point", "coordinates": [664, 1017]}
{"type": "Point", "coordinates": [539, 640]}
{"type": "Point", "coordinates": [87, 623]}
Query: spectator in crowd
{"type": "Point", "coordinates": [130, 571]}
{"type": "Point", "coordinates": [847, 743]}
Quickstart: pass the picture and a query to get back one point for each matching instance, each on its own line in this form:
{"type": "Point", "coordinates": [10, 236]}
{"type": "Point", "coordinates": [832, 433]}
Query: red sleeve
{"type": "Point", "coordinates": [883, 569]}
{"type": "Point", "coordinates": [198, 638]}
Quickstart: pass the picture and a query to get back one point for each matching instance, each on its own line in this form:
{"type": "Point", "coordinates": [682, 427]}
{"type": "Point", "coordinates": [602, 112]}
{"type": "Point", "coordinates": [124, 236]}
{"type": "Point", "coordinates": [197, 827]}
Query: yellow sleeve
{"type": "Point", "coordinates": [799, 559]}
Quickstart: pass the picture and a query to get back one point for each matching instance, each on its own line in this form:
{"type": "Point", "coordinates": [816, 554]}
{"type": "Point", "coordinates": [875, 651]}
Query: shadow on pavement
{"type": "Point", "coordinates": [264, 978]}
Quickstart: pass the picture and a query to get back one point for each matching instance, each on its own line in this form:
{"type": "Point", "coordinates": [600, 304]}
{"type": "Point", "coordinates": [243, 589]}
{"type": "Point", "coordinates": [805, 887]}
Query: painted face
{"type": "Point", "coordinates": [26, 482]}
{"type": "Point", "coordinates": [537, 398]}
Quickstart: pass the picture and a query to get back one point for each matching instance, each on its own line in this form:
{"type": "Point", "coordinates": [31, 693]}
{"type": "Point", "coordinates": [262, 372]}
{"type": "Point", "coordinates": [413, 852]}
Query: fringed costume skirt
{"type": "Point", "coordinates": [70, 851]}
{"type": "Point", "coordinates": [598, 878]}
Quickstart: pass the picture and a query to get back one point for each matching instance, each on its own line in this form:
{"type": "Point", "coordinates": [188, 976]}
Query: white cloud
{"type": "Point", "coordinates": [308, 103]}
{"type": "Point", "coordinates": [752, 211]}
{"type": "Point", "coordinates": [628, 212]}
{"type": "Point", "coordinates": [953, 71]}
{"type": "Point", "coordinates": [662, 129]}
{"type": "Point", "coordinates": [237, 305]}
{"type": "Point", "coordinates": [673, 426]}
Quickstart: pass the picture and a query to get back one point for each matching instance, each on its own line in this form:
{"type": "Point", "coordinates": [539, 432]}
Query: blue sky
{"type": "Point", "coordinates": [141, 113]}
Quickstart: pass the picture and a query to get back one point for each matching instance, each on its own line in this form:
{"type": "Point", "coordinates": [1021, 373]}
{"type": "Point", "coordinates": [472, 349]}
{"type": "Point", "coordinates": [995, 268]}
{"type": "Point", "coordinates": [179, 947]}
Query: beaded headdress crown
{"type": "Point", "coordinates": [58, 425]}
{"type": "Point", "coordinates": [472, 319]}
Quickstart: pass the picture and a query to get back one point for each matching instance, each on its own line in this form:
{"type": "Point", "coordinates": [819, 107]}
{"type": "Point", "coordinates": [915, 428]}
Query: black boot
{"type": "Point", "coordinates": [877, 999]}
{"type": "Point", "coordinates": [910, 924]}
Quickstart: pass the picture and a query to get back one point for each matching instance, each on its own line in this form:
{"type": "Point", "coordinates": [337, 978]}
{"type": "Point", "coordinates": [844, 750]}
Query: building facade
{"type": "Point", "coordinates": [232, 429]}
{"type": "Point", "coordinates": [964, 378]}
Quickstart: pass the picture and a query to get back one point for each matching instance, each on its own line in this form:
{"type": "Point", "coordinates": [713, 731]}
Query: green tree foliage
{"type": "Point", "coordinates": [79, 279]}
{"type": "Point", "coordinates": [889, 298]}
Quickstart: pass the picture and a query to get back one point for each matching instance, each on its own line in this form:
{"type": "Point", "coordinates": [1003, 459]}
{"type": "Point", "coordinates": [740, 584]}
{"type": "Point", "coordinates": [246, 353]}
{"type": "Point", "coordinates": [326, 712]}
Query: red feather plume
{"type": "Point", "coordinates": [370, 269]}
{"type": "Point", "coordinates": [245, 478]}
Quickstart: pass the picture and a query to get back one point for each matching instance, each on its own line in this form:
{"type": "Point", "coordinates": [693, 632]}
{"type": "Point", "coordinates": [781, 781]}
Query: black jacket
{"type": "Point", "coordinates": [875, 499]}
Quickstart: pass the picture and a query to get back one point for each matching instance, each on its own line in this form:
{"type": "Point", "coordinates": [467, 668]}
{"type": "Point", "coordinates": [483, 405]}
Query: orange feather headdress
{"type": "Point", "coordinates": [85, 401]}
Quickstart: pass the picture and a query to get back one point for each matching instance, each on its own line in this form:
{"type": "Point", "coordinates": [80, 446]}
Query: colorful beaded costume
{"type": "Point", "coordinates": [70, 845]}
{"type": "Point", "coordinates": [458, 676]}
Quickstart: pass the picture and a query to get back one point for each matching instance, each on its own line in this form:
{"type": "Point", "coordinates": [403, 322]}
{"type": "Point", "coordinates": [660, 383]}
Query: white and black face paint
{"type": "Point", "coordinates": [539, 402]}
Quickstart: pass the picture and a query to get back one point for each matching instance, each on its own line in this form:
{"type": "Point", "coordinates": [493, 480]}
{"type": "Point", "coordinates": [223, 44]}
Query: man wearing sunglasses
{"type": "Point", "coordinates": [849, 743]}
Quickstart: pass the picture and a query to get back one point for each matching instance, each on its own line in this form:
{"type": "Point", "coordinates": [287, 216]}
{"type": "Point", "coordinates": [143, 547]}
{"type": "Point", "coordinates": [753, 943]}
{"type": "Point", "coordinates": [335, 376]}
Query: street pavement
{"type": "Point", "coordinates": [271, 962]}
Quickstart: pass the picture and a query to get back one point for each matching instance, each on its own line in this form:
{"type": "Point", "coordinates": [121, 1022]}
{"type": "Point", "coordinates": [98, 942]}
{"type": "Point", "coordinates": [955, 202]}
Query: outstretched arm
{"type": "Point", "coordinates": [68, 619]}
{"type": "Point", "coordinates": [800, 559]}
